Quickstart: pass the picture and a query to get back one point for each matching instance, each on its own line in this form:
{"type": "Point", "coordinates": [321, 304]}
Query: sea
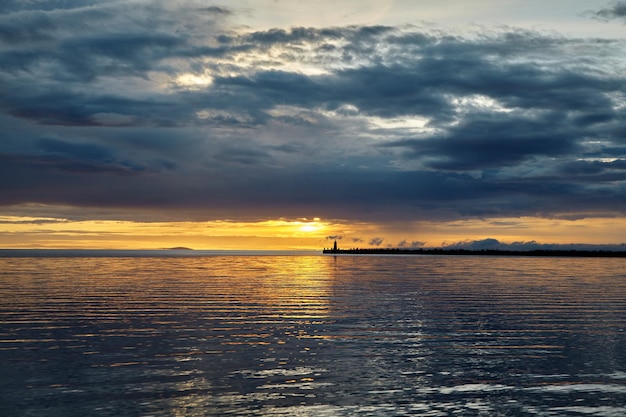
{"type": "Point", "coordinates": [200, 333]}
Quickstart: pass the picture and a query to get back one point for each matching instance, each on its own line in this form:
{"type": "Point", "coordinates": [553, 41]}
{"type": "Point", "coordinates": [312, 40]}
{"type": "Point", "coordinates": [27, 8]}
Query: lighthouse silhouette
{"type": "Point", "coordinates": [335, 245]}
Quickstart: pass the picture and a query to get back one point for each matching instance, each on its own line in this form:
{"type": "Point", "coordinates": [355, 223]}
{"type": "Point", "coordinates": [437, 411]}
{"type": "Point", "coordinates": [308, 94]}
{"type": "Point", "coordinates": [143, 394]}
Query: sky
{"type": "Point", "coordinates": [270, 124]}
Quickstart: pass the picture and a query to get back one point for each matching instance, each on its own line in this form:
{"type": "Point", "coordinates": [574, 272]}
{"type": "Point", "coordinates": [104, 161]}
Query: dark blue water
{"type": "Point", "coordinates": [312, 336]}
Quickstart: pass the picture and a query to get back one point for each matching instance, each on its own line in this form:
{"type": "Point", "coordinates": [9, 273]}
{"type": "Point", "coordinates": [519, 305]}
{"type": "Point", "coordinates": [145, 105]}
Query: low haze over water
{"type": "Point", "coordinates": [310, 335]}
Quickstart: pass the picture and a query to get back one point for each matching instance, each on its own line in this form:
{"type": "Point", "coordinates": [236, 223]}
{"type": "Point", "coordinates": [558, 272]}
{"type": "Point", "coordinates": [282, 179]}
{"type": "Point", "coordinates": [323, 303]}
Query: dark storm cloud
{"type": "Point", "coordinates": [487, 142]}
{"type": "Point", "coordinates": [423, 83]}
{"type": "Point", "coordinates": [117, 38]}
{"type": "Point", "coordinates": [303, 122]}
{"type": "Point", "coordinates": [37, 221]}
{"type": "Point", "coordinates": [591, 169]}
{"type": "Point", "coordinates": [413, 244]}
{"type": "Point", "coordinates": [89, 57]}
{"type": "Point", "coordinates": [239, 155]}
{"type": "Point", "coordinates": [48, 5]}
{"type": "Point", "coordinates": [81, 150]}
{"type": "Point", "coordinates": [65, 107]}
{"type": "Point", "coordinates": [616, 11]}
{"type": "Point", "coordinates": [377, 241]}
{"type": "Point", "coordinates": [217, 10]}
{"type": "Point", "coordinates": [53, 154]}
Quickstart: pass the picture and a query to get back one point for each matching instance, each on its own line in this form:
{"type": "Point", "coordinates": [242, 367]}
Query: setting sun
{"type": "Point", "coordinates": [310, 226]}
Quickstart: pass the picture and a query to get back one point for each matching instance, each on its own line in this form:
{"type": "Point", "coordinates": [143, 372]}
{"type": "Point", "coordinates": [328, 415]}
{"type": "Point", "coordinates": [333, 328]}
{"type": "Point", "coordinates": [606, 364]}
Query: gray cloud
{"type": "Point", "coordinates": [616, 11]}
{"type": "Point", "coordinates": [358, 122]}
{"type": "Point", "coordinates": [413, 244]}
{"type": "Point", "coordinates": [219, 10]}
{"type": "Point", "coordinates": [36, 221]}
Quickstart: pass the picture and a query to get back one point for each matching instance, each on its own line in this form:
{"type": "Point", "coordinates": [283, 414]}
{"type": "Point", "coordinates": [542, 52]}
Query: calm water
{"type": "Point", "coordinates": [312, 336]}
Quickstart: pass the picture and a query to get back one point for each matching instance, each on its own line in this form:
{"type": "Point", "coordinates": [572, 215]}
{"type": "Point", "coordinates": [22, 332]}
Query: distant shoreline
{"type": "Point", "coordinates": [481, 252]}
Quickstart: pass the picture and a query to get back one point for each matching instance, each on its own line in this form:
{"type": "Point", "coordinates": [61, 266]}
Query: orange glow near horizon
{"type": "Point", "coordinates": [297, 234]}
{"type": "Point", "coordinates": [43, 232]}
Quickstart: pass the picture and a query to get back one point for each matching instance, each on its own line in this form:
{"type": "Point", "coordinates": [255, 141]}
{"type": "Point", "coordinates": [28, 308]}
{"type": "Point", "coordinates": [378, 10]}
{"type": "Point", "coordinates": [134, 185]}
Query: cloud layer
{"type": "Point", "coordinates": [494, 244]}
{"type": "Point", "coordinates": [163, 105]}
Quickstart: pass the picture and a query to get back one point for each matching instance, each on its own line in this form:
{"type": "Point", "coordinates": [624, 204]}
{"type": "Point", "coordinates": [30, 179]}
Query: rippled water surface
{"type": "Point", "coordinates": [312, 336]}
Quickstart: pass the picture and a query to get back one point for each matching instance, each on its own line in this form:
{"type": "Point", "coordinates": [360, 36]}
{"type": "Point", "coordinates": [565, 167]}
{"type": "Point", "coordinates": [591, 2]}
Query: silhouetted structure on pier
{"type": "Point", "coordinates": [335, 249]}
